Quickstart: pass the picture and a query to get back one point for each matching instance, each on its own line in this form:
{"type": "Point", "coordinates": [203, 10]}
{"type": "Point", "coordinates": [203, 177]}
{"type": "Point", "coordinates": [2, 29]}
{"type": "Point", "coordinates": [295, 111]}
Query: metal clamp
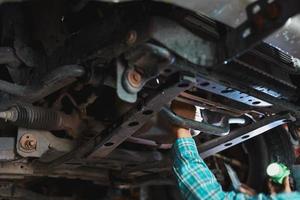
{"type": "Point", "coordinates": [143, 63]}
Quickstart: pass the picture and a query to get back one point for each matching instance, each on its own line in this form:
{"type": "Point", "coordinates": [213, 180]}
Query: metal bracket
{"type": "Point", "coordinates": [35, 143]}
{"type": "Point", "coordinates": [121, 91]}
{"type": "Point", "coordinates": [138, 118]}
{"type": "Point", "coordinates": [230, 93]}
{"type": "Point", "coordinates": [109, 139]}
{"type": "Point", "coordinates": [143, 63]}
{"type": "Point", "coordinates": [242, 134]}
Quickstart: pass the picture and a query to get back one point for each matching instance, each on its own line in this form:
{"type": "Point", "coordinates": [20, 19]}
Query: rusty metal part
{"type": "Point", "coordinates": [28, 143]}
{"type": "Point", "coordinates": [144, 63]}
{"type": "Point", "coordinates": [126, 129]}
{"type": "Point", "coordinates": [124, 90]}
{"type": "Point", "coordinates": [32, 117]}
{"type": "Point", "coordinates": [134, 78]}
{"type": "Point", "coordinates": [35, 143]}
{"type": "Point", "coordinates": [110, 138]}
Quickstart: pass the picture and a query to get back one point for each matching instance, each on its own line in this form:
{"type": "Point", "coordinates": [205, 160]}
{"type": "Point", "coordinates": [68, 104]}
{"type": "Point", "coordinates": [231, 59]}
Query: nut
{"type": "Point", "coordinates": [134, 78]}
{"type": "Point", "coordinates": [28, 143]}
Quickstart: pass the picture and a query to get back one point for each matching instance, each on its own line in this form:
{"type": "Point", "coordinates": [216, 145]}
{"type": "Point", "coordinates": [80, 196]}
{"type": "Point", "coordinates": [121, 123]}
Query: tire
{"type": "Point", "coordinates": [273, 146]}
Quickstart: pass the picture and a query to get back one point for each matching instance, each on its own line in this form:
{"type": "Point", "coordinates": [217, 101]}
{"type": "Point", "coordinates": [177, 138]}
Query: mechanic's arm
{"type": "Point", "coordinates": [195, 179]}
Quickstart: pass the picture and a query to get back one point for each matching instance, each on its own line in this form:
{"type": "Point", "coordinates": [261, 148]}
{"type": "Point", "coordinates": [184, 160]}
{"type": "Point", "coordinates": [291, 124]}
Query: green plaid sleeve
{"type": "Point", "coordinates": [195, 180]}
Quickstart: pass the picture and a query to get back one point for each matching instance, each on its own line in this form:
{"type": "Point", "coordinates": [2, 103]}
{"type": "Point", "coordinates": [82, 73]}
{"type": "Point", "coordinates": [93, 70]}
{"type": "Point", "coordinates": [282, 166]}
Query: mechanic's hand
{"type": "Point", "coordinates": [287, 186]}
{"type": "Point", "coordinates": [247, 190]}
{"type": "Point", "coordinates": [184, 110]}
{"type": "Point", "coordinates": [276, 188]}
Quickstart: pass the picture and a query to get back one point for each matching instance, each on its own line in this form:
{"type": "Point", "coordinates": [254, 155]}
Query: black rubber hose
{"type": "Point", "coordinates": [192, 124]}
{"type": "Point", "coordinates": [54, 81]}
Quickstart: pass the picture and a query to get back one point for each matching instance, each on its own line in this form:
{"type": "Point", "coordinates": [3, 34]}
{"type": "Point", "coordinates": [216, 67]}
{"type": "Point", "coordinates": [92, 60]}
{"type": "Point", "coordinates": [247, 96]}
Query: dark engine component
{"type": "Point", "coordinates": [55, 80]}
{"type": "Point", "coordinates": [31, 117]}
{"type": "Point", "coordinates": [143, 63]}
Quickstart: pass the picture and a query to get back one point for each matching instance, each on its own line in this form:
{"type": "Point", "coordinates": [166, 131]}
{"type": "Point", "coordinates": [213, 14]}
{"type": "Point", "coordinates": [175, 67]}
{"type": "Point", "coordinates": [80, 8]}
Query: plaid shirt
{"type": "Point", "coordinates": [197, 182]}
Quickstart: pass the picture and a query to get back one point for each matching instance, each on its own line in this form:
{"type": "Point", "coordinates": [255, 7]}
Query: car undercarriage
{"type": "Point", "coordinates": [86, 88]}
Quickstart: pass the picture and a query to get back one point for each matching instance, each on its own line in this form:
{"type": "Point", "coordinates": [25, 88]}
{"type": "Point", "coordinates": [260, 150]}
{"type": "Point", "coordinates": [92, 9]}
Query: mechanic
{"type": "Point", "coordinates": [196, 181]}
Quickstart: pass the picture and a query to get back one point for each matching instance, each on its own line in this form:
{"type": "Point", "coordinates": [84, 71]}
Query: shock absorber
{"type": "Point", "coordinates": [32, 117]}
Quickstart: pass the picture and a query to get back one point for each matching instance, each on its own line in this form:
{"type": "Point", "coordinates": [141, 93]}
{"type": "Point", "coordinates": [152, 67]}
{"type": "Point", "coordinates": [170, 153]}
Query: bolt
{"type": "Point", "coordinates": [28, 143]}
{"type": "Point", "coordinates": [131, 37]}
{"type": "Point", "coordinates": [134, 78]}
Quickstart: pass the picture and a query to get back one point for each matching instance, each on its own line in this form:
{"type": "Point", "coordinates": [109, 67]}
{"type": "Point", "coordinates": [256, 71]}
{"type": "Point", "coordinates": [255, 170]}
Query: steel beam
{"type": "Point", "coordinates": [106, 141]}
{"type": "Point", "coordinates": [243, 134]}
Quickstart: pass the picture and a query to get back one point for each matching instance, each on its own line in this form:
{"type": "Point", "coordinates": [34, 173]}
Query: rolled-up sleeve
{"type": "Point", "coordinates": [194, 178]}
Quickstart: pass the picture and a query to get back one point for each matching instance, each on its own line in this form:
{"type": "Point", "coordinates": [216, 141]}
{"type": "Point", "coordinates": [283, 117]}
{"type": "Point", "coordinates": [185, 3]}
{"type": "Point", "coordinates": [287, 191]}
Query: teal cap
{"type": "Point", "coordinates": [277, 172]}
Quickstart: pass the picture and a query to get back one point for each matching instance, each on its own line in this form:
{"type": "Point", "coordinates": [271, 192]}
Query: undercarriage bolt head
{"type": "Point", "coordinates": [134, 78]}
{"type": "Point", "coordinates": [28, 143]}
